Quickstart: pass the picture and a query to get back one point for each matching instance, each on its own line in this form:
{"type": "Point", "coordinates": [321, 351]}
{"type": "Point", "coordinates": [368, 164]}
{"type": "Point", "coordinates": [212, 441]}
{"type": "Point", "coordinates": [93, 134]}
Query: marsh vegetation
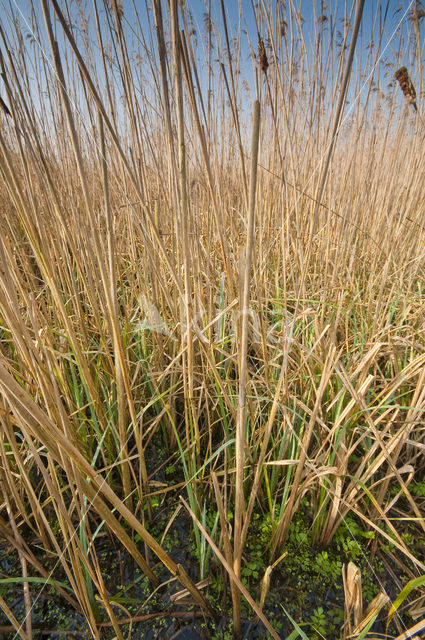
{"type": "Point", "coordinates": [212, 348]}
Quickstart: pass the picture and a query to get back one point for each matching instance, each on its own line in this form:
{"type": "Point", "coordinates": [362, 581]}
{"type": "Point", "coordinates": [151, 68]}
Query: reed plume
{"type": "Point", "coordinates": [262, 55]}
{"type": "Point", "coordinates": [402, 75]}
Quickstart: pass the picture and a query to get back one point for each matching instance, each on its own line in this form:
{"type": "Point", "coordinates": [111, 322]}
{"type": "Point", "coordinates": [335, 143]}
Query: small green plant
{"type": "Point", "coordinates": [326, 566]}
{"type": "Point", "coordinates": [418, 489]}
{"type": "Point", "coordinates": [319, 622]}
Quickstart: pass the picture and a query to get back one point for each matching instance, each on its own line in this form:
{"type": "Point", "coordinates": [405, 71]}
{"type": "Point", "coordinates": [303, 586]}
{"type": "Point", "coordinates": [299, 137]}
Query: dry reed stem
{"type": "Point", "coordinates": [191, 419]}
{"type": "Point", "coordinates": [243, 353]}
{"type": "Point", "coordinates": [233, 101]}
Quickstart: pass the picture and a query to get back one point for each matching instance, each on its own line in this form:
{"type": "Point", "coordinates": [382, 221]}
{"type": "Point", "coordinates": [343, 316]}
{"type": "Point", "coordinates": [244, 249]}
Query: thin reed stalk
{"type": "Point", "coordinates": [241, 427]}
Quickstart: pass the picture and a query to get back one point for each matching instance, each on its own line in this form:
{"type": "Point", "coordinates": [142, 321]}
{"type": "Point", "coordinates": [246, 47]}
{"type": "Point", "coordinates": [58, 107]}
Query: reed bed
{"type": "Point", "coordinates": [209, 266]}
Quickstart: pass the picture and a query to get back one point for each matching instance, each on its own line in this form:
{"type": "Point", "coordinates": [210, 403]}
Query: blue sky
{"type": "Point", "coordinates": [396, 12]}
{"type": "Point", "coordinates": [395, 47]}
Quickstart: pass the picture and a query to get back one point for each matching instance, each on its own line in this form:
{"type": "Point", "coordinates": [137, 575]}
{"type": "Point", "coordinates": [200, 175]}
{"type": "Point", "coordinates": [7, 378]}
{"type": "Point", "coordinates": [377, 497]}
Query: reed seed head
{"type": "Point", "coordinates": [402, 75]}
{"type": "Point", "coordinates": [262, 55]}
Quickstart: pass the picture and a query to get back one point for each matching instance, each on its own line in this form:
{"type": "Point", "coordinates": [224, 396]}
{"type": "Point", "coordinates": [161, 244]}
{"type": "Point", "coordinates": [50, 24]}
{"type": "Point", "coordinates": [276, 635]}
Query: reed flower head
{"type": "Point", "coordinates": [402, 75]}
{"type": "Point", "coordinates": [262, 55]}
